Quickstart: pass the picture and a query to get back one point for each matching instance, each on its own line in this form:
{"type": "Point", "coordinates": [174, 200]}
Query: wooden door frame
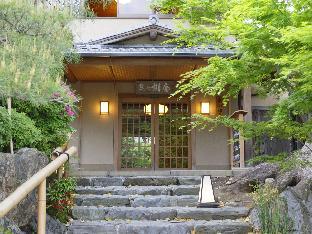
{"type": "Point", "coordinates": [133, 98]}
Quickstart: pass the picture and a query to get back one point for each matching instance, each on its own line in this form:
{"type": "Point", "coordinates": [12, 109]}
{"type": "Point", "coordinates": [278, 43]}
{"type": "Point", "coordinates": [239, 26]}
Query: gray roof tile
{"type": "Point", "coordinates": [99, 50]}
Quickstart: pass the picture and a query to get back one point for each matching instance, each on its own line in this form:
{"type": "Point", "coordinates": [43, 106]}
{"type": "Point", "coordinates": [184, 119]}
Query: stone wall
{"type": "Point", "coordinates": [15, 170]}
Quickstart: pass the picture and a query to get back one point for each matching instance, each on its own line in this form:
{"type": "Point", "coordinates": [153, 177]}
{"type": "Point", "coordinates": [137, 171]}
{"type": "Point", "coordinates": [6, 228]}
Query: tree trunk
{"type": "Point", "coordinates": [9, 103]}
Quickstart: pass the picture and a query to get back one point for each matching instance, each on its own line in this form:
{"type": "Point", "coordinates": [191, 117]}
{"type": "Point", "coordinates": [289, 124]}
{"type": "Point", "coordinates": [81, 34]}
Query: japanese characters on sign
{"type": "Point", "coordinates": [155, 87]}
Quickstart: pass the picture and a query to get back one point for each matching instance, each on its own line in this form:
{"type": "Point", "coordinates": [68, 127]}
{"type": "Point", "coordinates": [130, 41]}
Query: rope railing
{"type": "Point", "coordinates": [37, 180]}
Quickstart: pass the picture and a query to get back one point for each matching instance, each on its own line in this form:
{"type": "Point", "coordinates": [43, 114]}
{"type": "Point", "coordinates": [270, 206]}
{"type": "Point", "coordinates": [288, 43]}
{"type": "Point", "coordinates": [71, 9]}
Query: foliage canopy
{"type": "Point", "coordinates": [34, 43]}
{"type": "Point", "coordinates": [22, 129]}
{"type": "Point", "coordinates": [273, 41]}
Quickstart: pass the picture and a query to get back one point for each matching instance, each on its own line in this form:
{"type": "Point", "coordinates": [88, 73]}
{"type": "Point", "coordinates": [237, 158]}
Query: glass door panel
{"type": "Point", "coordinates": [154, 135]}
{"type": "Point", "coordinates": [136, 136]}
{"type": "Point", "coordinates": [173, 137]}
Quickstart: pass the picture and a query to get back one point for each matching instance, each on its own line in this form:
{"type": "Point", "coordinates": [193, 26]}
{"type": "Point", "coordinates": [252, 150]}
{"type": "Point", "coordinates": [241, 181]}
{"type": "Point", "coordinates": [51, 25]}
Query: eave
{"type": "Point", "coordinates": [98, 50]}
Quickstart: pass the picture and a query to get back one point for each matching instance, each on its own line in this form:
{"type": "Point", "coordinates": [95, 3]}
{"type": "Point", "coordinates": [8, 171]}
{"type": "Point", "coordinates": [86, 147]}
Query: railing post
{"type": "Point", "coordinates": [42, 203]}
{"type": "Point", "coordinates": [60, 172]}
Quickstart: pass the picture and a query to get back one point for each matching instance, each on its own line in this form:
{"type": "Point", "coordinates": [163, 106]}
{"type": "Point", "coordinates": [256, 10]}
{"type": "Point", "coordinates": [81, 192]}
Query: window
{"type": "Point", "coordinates": [134, 8]}
{"type": "Point", "coordinates": [103, 8]}
{"type": "Point", "coordinates": [120, 8]}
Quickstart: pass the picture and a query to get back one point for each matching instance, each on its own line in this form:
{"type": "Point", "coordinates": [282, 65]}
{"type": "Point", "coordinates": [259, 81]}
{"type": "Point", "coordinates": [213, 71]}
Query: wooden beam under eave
{"type": "Point", "coordinates": [152, 72]}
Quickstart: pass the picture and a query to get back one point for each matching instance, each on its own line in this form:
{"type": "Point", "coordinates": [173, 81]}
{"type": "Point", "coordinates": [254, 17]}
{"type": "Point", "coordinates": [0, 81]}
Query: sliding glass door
{"type": "Point", "coordinates": [153, 135]}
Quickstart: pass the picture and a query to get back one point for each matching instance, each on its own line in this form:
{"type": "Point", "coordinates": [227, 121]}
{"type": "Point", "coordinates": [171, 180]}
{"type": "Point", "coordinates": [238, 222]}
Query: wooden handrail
{"type": "Point", "coordinates": [38, 179]}
{"type": "Point", "coordinates": [57, 152]}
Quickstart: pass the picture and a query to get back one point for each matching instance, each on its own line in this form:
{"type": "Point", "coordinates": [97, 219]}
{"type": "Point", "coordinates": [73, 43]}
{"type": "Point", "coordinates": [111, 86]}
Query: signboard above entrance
{"type": "Point", "coordinates": [155, 87]}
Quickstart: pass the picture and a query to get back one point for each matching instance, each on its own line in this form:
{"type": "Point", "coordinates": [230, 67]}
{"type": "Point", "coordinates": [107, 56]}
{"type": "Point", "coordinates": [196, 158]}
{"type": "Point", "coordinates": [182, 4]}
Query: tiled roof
{"type": "Point", "coordinates": [106, 47]}
{"type": "Point", "coordinates": [100, 50]}
{"type": "Point", "coordinates": [136, 32]}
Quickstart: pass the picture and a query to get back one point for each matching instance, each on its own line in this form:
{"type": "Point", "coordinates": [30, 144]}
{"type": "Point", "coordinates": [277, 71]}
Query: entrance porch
{"type": "Point", "coordinates": [143, 132]}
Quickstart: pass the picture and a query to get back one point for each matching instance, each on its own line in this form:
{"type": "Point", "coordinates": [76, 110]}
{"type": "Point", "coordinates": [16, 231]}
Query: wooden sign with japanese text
{"type": "Point", "coordinates": [155, 87]}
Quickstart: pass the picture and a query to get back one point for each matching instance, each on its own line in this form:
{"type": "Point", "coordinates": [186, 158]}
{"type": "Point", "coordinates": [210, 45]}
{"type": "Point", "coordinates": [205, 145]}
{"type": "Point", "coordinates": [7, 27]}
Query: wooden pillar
{"type": "Point", "coordinates": [247, 104]}
{"type": "Point", "coordinates": [231, 147]}
{"type": "Point", "coordinates": [239, 115]}
{"type": "Point", "coordinates": [241, 145]}
{"type": "Point", "coordinates": [230, 132]}
{"type": "Point", "coordinates": [42, 203]}
{"type": "Point", "coordinates": [247, 118]}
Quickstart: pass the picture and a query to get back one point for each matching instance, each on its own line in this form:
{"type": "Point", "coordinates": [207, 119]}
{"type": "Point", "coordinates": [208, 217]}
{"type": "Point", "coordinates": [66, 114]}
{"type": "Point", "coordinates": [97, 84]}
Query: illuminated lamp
{"type": "Point", "coordinates": [205, 108]}
{"type": "Point", "coordinates": [162, 109]}
{"type": "Point", "coordinates": [104, 107]}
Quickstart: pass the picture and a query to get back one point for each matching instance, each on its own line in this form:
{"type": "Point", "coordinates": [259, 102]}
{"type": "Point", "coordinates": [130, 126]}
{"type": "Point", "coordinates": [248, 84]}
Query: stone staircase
{"type": "Point", "coordinates": [151, 205]}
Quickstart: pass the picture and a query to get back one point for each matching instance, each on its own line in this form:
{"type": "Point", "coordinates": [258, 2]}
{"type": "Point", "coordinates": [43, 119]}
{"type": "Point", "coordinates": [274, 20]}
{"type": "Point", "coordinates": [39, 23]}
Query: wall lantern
{"type": "Point", "coordinates": [162, 109]}
{"type": "Point", "coordinates": [148, 109]}
{"type": "Point", "coordinates": [205, 107]}
{"type": "Point", "coordinates": [104, 107]}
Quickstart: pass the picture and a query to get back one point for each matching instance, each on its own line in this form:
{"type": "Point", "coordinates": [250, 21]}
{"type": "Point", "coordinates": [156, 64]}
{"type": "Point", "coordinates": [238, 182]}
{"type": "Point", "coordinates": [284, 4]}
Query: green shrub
{"type": "Point", "coordinates": [44, 127]}
{"type": "Point", "coordinates": [53, 121]}
{"type": "Point", "coordinates": [272, 210]}
{"type": "Point", "coordinates": [294, 161]}
{"type": "Point", "coordinates": [5, 126]}
{"type": "Point", "coordinates": [268, 159]}
{"type": "Point", "coordinates": [4, 230]}
{"type": "Point", "coordinates": [60, 198]}
{"type": "Point", "coordinates": [285, 162]}
{"type": "Point", "coordinates": [22, 129]}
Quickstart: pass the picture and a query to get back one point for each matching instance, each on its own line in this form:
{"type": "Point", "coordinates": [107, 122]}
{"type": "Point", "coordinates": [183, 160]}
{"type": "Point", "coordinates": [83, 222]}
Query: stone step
{"type": "Point", "coordinates": [160, 227]}
{"type": "Point", "coordinates": [138, 180]}
{"type": "Point", "coordinates": [136, 200]}
{"type": "Point", "coordinates": [158, 213]}
{"type": "Point", "coordinates": [102, 200]}
{"type": "Point", "coordinates": [140, 190]}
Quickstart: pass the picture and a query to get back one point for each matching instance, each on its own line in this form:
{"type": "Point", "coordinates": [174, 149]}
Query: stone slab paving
{"type": "Point", "coordinates": [160, 227]}
{"type": "Point", "coordinates": [136, 200]}
{"type": "Point", "coordinates": [157, 213]}
{"type": "Point", "coordinates": [185, 190]}
{"type": "Point", "coordinates": [164, 201]}
{"type": "Point", "coordinates": [100, 181]}
{"type": "Point", "coordinates": [189, 180]}
{"type": "Point", "coordinates": [150, 205]}
{"type": "Point", "coordinates": [212, 213]}
{"type": "Point", "coordinates": [140, 190]}
{"type": "Point", "coordinates": [102, 200]}
{"type": "Point", "coordinates": [111, 213]}
{"type": "Point", "coordinates": [138, 180]}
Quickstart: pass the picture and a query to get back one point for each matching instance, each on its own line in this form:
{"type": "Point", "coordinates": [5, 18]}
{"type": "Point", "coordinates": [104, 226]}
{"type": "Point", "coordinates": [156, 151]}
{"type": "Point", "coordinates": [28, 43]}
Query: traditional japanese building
{"type": "Point", "coordinates": [128, 121]}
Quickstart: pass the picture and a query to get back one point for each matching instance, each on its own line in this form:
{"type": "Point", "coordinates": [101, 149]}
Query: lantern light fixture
{"type": "Point", "coordinates": [104, 107]}
{"type": "Point", "coordinates": [205, 107]}
{"type": "Point", "coordinates": [162, 109]}
{"type": "Point", "coordinates": [148, 109]}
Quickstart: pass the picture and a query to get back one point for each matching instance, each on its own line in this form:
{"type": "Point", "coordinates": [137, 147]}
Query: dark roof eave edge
{"type": "Point", "coordinates": [224, 55]}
